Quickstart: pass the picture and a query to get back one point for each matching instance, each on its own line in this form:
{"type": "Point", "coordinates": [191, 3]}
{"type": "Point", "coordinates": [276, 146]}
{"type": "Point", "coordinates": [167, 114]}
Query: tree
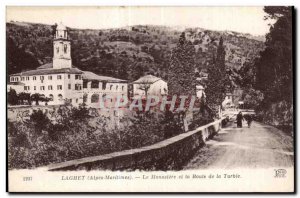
{"type": "Point", "coordinates": [137, 70]}
{"type": "Point", "coordinates": [144, 86]}
{"type": "Point", "coordinates": [18, 57]}
{"type": "Point", "coordinates": [252, 98]}
{"type": "Point", "coordinates": [12, 97]}
{"type": "Point", "coordinates": [216, 84]}
{"type": "Point", "coordinates": [53, 29]}
{"type": "Point", "coordinates": [24, 97]}
{"type": "Point", "coordinates": [40, 120]}
{"type": "Point", "coordinates": [274, 68]}
{"type": "Point", "coordinates": [36, 97]}
{"type": "Point", "coordinates": [181, 73]}
{"type": "Point", "coordinates": [246, 75]}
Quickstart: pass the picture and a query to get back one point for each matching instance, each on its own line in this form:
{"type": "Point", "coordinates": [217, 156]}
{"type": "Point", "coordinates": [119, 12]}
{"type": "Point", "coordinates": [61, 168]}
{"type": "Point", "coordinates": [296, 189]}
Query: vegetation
{"type": "Point", "coordinates": [72, 133]}
{"type": "Point", "coordinates": [24, 98]}
{"type": "Point", "coordinates": [216, 84]}
{"type": "Point", "coordinates": [268, 81]}
{"type": "Point", "coordinates": [275, 71]}
{"type": "Point", "coordinates": [126, 53]}
{"type": "Point", "coordinates": [181, 74]}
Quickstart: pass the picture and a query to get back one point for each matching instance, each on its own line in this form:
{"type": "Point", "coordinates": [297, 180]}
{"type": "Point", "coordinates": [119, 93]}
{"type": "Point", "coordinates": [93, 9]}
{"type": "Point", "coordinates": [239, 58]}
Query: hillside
{"type": "Point", "coordinates": [126, 53]}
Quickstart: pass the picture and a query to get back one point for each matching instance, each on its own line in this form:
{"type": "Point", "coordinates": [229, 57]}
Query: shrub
{"type": "Point", "coordinates": [80, 113]}
{"type": "Point", "coordinates": [67, 139]}
{"type": "Point", "coordinates": [12, 97]}
{"type": "Point", "coordinates": [40, 120]}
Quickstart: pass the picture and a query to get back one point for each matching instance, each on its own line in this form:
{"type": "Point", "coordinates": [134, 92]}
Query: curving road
{"type": "Point", "coordinates": [260, 146]}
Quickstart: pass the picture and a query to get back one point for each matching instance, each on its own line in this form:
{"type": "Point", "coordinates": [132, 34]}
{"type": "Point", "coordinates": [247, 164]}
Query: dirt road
{"type": "Point", "coordinates": [260, 146]}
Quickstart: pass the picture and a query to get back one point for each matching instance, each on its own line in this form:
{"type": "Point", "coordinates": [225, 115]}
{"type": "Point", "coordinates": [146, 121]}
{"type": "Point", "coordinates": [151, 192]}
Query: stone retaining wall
{"type": "Point", "coordinates": [170, 154]}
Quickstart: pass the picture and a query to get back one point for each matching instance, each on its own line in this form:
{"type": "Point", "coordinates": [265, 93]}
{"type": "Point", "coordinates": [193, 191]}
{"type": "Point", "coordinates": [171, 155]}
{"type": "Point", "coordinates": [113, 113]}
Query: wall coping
{"type": "Point", "coordinates": [131, 152]}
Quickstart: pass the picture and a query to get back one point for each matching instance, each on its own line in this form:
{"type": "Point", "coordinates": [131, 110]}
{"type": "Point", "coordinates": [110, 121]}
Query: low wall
{"type": "Point", "coordinates": [169, 154]}
{"type": "Point", "coordinates": [21, 113]}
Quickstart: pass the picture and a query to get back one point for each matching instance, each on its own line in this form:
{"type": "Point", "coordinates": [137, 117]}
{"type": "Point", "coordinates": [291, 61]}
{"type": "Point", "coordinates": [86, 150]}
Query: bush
{"type": "Point", "coordinates": [66, 140]}
{"type": "Point", "coordinates": [80, 113]}
{"type": "Point", "coordinates": [76, 134]}
{"type": "Point", "coordinates": [40, 120]}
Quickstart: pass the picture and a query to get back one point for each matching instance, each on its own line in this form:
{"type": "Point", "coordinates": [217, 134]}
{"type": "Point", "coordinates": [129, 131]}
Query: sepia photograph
{"type": "Point", "coordinates": [150, 99]}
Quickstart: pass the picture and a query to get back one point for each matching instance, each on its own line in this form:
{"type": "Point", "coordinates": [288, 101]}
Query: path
{"type": "Point", "coordinates": [260, 146]}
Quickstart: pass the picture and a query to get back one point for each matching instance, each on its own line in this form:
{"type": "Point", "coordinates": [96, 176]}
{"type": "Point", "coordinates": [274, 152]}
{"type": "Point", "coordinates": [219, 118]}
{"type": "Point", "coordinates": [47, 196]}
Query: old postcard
{"type": "Point", "coordinates": [150, 99]}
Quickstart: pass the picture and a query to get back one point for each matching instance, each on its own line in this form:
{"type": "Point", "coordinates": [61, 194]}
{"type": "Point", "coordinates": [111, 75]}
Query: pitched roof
{"type": "Point", "coordinates": [49, 71]}
{"type": "Point", "coordinates": [46, 66]}
{"type": "Point", "coordinates": [87, 75]}
{"type": "Point", "coordinates": [148, 79]}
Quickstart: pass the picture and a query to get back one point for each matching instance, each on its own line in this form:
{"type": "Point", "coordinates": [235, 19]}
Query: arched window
{"type": "Point", "coordinates": [51, 97]}
{"type": "Point", "coordinates": [60, 97]}
{"type": "Point", "coordinates": [94, 98]}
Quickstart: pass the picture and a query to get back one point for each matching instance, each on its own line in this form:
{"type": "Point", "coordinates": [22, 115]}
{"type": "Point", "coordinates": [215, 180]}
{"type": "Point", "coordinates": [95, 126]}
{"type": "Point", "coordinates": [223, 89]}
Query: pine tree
{"type": "Point", "coordinates": [216, 84]}
{"type": "Point", "coordinates": [181, 74]}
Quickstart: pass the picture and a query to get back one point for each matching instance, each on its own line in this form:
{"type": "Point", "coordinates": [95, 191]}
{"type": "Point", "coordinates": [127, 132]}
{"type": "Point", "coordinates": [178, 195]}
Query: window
{"type": "Point", "coordinates": [50, 87]}
{"type": "Point", "coordinates": [49, 77]}
{"type": "Point", "coordinates": [69, 86]}
{"type": "Point", "coordinates": [77, 77]}
{"type": "Point", "coordinates": [58, 77]}
{"type": "Point", "coordinates": [34, 87]}
{"type": "Point", "coordinates": [117, 87]}
{"type": "Point", "coordinates": [51, 97]}
{"type": "Point", "coordinates": [123, 88]}
{"type": "Point", "coordinates": [11, 79]}
{"type": "Point", "coordinates": [59, 87]}
{"type": "Point", "coordinates": [76, 100]}
{"type": "Point", "coordinates": [94, 98]}
{"type": "Point", "coordinates": [27, 77]}
{"type": "Point", "coordinates": [22, 78]}
{"type": "Point", "coordinates": [60, 97]}
{"type": "Point", "coordinates": [34, 77]}
{"type": "Point", "coordinates": [57, 50]}
{"type": "Point", "coordinates": [95, 85]}
{"type": "Point", "coordinates": [84, 84]}
{"type": "Point", "coordinates": [65, 48]}
{"type": "Point", "coordinates": [77, 87]}
{"type": "Point", "coordinates": [26, 88]}
{"type": "Point", "coordinates": [42, 88]}
{"type": "Point", "coordinates": [111, 86]}
{"type": "Point", "coordinates": [69, 76]}
{"type": "Point", "coordinates": [103, 85]}
{"type": "Point", "coordinates": [42, 77]}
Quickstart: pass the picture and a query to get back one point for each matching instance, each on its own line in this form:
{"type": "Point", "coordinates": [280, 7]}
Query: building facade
{"type": "Point", "coordinates": [149, 85]}
{"type": "Point", "coordinates": [108, 89]}
{"type": "Point", "coordinates": [62, 82]}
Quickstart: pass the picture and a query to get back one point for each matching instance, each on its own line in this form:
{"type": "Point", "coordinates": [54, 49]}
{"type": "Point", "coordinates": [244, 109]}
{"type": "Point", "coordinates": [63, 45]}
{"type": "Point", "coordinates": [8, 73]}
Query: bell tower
{"type": "Point", "coordinates": [62, 48]}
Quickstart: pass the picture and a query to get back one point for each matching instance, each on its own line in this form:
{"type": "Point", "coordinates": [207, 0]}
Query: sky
{"type": "Point", "coordinates": [239, 19]}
